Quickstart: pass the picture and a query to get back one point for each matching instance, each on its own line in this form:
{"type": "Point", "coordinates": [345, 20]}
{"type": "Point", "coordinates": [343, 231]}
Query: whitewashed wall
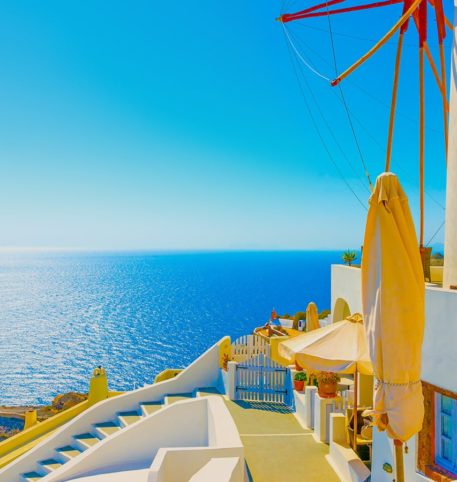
{"type": "Point", "coordinates": [439, 353]}
{"type": "Point", "coordinates": [346, 285]}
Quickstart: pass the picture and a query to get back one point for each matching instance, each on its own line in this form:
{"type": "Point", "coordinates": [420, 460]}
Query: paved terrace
{"type": "Point", "coordinates": [277, 447]}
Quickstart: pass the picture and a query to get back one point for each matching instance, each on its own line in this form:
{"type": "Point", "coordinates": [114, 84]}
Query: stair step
{"type": "Point", "coordinates": [32, 476]}
{"type": "Point", "coordinates": [204, 392]}
{"type": "Point", "coordinates": [148, 408]}
{"type": "Point", "coordinates": [169, 399]}
{"type": "Point", "coordinates": [86, 440]}
{"type": "Point", "coordinates": [68, 452]}
{"type": "Point", "coordinates": [107, 428]}
{"type": "Point", "coordinates": [127, 418]}
{"type": "Point", "coordinates": [49, 465]}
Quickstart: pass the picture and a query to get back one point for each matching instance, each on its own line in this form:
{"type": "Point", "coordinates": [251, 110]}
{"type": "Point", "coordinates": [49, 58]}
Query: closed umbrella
{"type": "Point", "coordinates": [312, 317]}
{"type": "Point", "coordinates": [340, 348]}
{"type": "Point", "coordinates": [393, 293]}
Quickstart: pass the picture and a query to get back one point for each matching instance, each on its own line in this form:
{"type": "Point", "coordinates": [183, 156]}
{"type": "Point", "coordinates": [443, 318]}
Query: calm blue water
{"type": "Point", "coordinates": [11, 423]}
{"type": "Point", "coordinates": [62, 314]}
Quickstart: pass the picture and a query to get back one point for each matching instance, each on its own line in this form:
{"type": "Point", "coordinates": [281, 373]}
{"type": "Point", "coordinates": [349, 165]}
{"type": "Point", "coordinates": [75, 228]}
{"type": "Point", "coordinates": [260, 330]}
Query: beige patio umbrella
{"type": "Point", "coordinates": [340, 348]}
{"type": "Point", "coordinates": [393, 306]}
{"type": "Point", "coordinates": [312, 317]}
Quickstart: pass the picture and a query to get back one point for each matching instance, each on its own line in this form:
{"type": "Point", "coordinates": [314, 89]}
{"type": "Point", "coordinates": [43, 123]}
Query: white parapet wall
{"type": "Point", "coordinates": [181, 465]}
{"type": "Point", "coordinates": [323, 408]}
{"type": "Point", "coordinates": [346, 295]}
{"type": "Point", "coordinates": [310, 396]}
{"type": "Point", "coordinates": [203, 372]}
{"type": "Point", "coordinates": [220, 469]}
{"type": "Point", "coordinates": [341, 457]}
{"type": "Point", "coordinates": [300, 408]}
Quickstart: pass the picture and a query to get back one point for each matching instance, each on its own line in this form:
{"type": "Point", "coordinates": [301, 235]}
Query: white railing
{"type": "Point", "coordinates": [249, 346]}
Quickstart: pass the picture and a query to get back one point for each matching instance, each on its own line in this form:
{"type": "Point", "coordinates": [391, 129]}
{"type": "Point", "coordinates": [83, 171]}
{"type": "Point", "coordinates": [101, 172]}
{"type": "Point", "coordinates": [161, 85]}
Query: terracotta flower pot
{"type": "Point", "coordinates": [327, 390]}
{"type": "Point", "coordinates": [299, 385]}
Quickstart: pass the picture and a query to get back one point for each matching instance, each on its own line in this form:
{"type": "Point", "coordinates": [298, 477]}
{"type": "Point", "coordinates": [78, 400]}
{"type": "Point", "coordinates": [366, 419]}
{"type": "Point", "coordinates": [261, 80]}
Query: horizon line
{"type": "Point", "coordinates": [75, 249]}
{"type": "Point", "coordinates": [6, 249]}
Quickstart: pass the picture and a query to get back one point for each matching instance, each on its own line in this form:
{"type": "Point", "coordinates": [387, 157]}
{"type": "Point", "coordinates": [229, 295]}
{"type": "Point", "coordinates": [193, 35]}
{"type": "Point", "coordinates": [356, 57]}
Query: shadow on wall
{"type": "Point", "coordinates": [340, 310]}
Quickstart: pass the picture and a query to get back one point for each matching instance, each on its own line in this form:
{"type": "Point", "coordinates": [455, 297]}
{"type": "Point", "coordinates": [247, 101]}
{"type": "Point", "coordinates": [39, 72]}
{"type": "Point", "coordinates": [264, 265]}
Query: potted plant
{"type": "Point", "coordinates": [225, 359]}
{"type": "Point", "coordinates": [299, 381]}
{"type": "Point", "coordinates": [327, 384]}
{"type": "Point", "coordinates": [349, 257]}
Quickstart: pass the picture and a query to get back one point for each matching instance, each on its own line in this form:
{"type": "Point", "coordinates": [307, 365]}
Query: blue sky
{"type": "Point", "coordinates": [158, 125]}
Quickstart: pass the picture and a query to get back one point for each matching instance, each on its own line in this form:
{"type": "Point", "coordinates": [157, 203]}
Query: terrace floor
{"type": "Point", "coordinates": [277, 447]}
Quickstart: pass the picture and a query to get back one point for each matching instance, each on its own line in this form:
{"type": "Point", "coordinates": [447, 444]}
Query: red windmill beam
{"type": "Point", "coordinates": [310, 12]}
{"type": "Point", "coordinates": [442, 22]}
{"type": "Point", "coordinates": [441, 19]}
{"type": "Point", "coordinates": [289, 17]}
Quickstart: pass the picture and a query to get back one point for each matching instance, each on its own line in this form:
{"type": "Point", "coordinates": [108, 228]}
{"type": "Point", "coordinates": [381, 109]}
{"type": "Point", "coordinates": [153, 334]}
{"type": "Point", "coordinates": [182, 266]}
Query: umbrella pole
{"type": "Point", "coordinates": [355, 412]}
{"type": "Point", "coordinates": [399, 468]}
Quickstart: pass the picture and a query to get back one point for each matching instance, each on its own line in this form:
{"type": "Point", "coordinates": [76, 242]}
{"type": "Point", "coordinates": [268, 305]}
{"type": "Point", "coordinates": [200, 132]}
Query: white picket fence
{"type": "Point", "coordinates": [249, 346]}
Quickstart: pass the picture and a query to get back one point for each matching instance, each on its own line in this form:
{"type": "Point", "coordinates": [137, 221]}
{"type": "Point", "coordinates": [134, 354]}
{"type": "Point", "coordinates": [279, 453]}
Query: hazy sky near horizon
{"type": "Point", "coordinates": [166, 125]}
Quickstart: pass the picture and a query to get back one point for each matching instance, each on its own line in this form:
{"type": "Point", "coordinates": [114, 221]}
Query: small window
{"type": "Point", "coordinates": [446, 432]}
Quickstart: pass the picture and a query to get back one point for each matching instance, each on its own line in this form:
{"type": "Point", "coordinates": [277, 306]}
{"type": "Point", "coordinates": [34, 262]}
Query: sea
{"type": "Point", "coordinates": [136, 313]}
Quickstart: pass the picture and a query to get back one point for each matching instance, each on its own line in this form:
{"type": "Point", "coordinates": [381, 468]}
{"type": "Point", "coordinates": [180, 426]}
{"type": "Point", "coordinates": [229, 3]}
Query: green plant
{"type": "Point", "coordinates": [436, 259]}
{"type": "Point", "coordinates": [286, 316]}
{"type": "Point", "coordinates": [300, 377]}
{"type": "Point", "coordinates": [349, 257]}
{"type": "Point", "coordinates": [323, 314]}
{"type": "Point", "coordinates": [328, 377]}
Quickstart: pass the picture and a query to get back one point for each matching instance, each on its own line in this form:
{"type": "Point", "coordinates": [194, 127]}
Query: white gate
{"type": "Point", "coordinates": [261, 379]}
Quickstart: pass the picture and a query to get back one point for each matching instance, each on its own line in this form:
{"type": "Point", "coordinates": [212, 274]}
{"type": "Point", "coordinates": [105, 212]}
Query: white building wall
{"type": "Point", "coordinates": [439, 351]}
{"type": "Point", "coordinates": [450, 238]}
{"type": "Point", "coordinates": [383, 452]}
{"type": "Point", "coordinates": [346, 285]}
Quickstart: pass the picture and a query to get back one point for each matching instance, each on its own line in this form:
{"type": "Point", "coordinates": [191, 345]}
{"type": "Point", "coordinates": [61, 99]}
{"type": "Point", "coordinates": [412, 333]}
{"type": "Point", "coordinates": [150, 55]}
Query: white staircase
{"type": "Point", "coordinates": [84, 441]}
{"type": "Point", "coordinates": [110, 417]}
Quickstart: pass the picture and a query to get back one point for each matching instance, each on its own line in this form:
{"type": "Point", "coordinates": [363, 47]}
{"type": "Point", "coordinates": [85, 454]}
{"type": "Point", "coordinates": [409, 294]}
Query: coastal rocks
{"type": "Point", "coordinates": [12, 418]}
{"type": "Point", "coordinates": [67, 400]}
{"type": "Point", "coordinates": [9, 427]}
{"type": "Point", "coordinates": [60, 403]}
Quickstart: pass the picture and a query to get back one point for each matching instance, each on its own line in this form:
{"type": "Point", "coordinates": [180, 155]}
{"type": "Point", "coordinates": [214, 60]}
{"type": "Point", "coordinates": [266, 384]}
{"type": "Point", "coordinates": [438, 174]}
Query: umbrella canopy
{"type": "Point", "coordinates": [312, 317]}
{"type": "Point", "coordinates": [393, 292]}
{"type": "Point", "coordinates": [340, 347]}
